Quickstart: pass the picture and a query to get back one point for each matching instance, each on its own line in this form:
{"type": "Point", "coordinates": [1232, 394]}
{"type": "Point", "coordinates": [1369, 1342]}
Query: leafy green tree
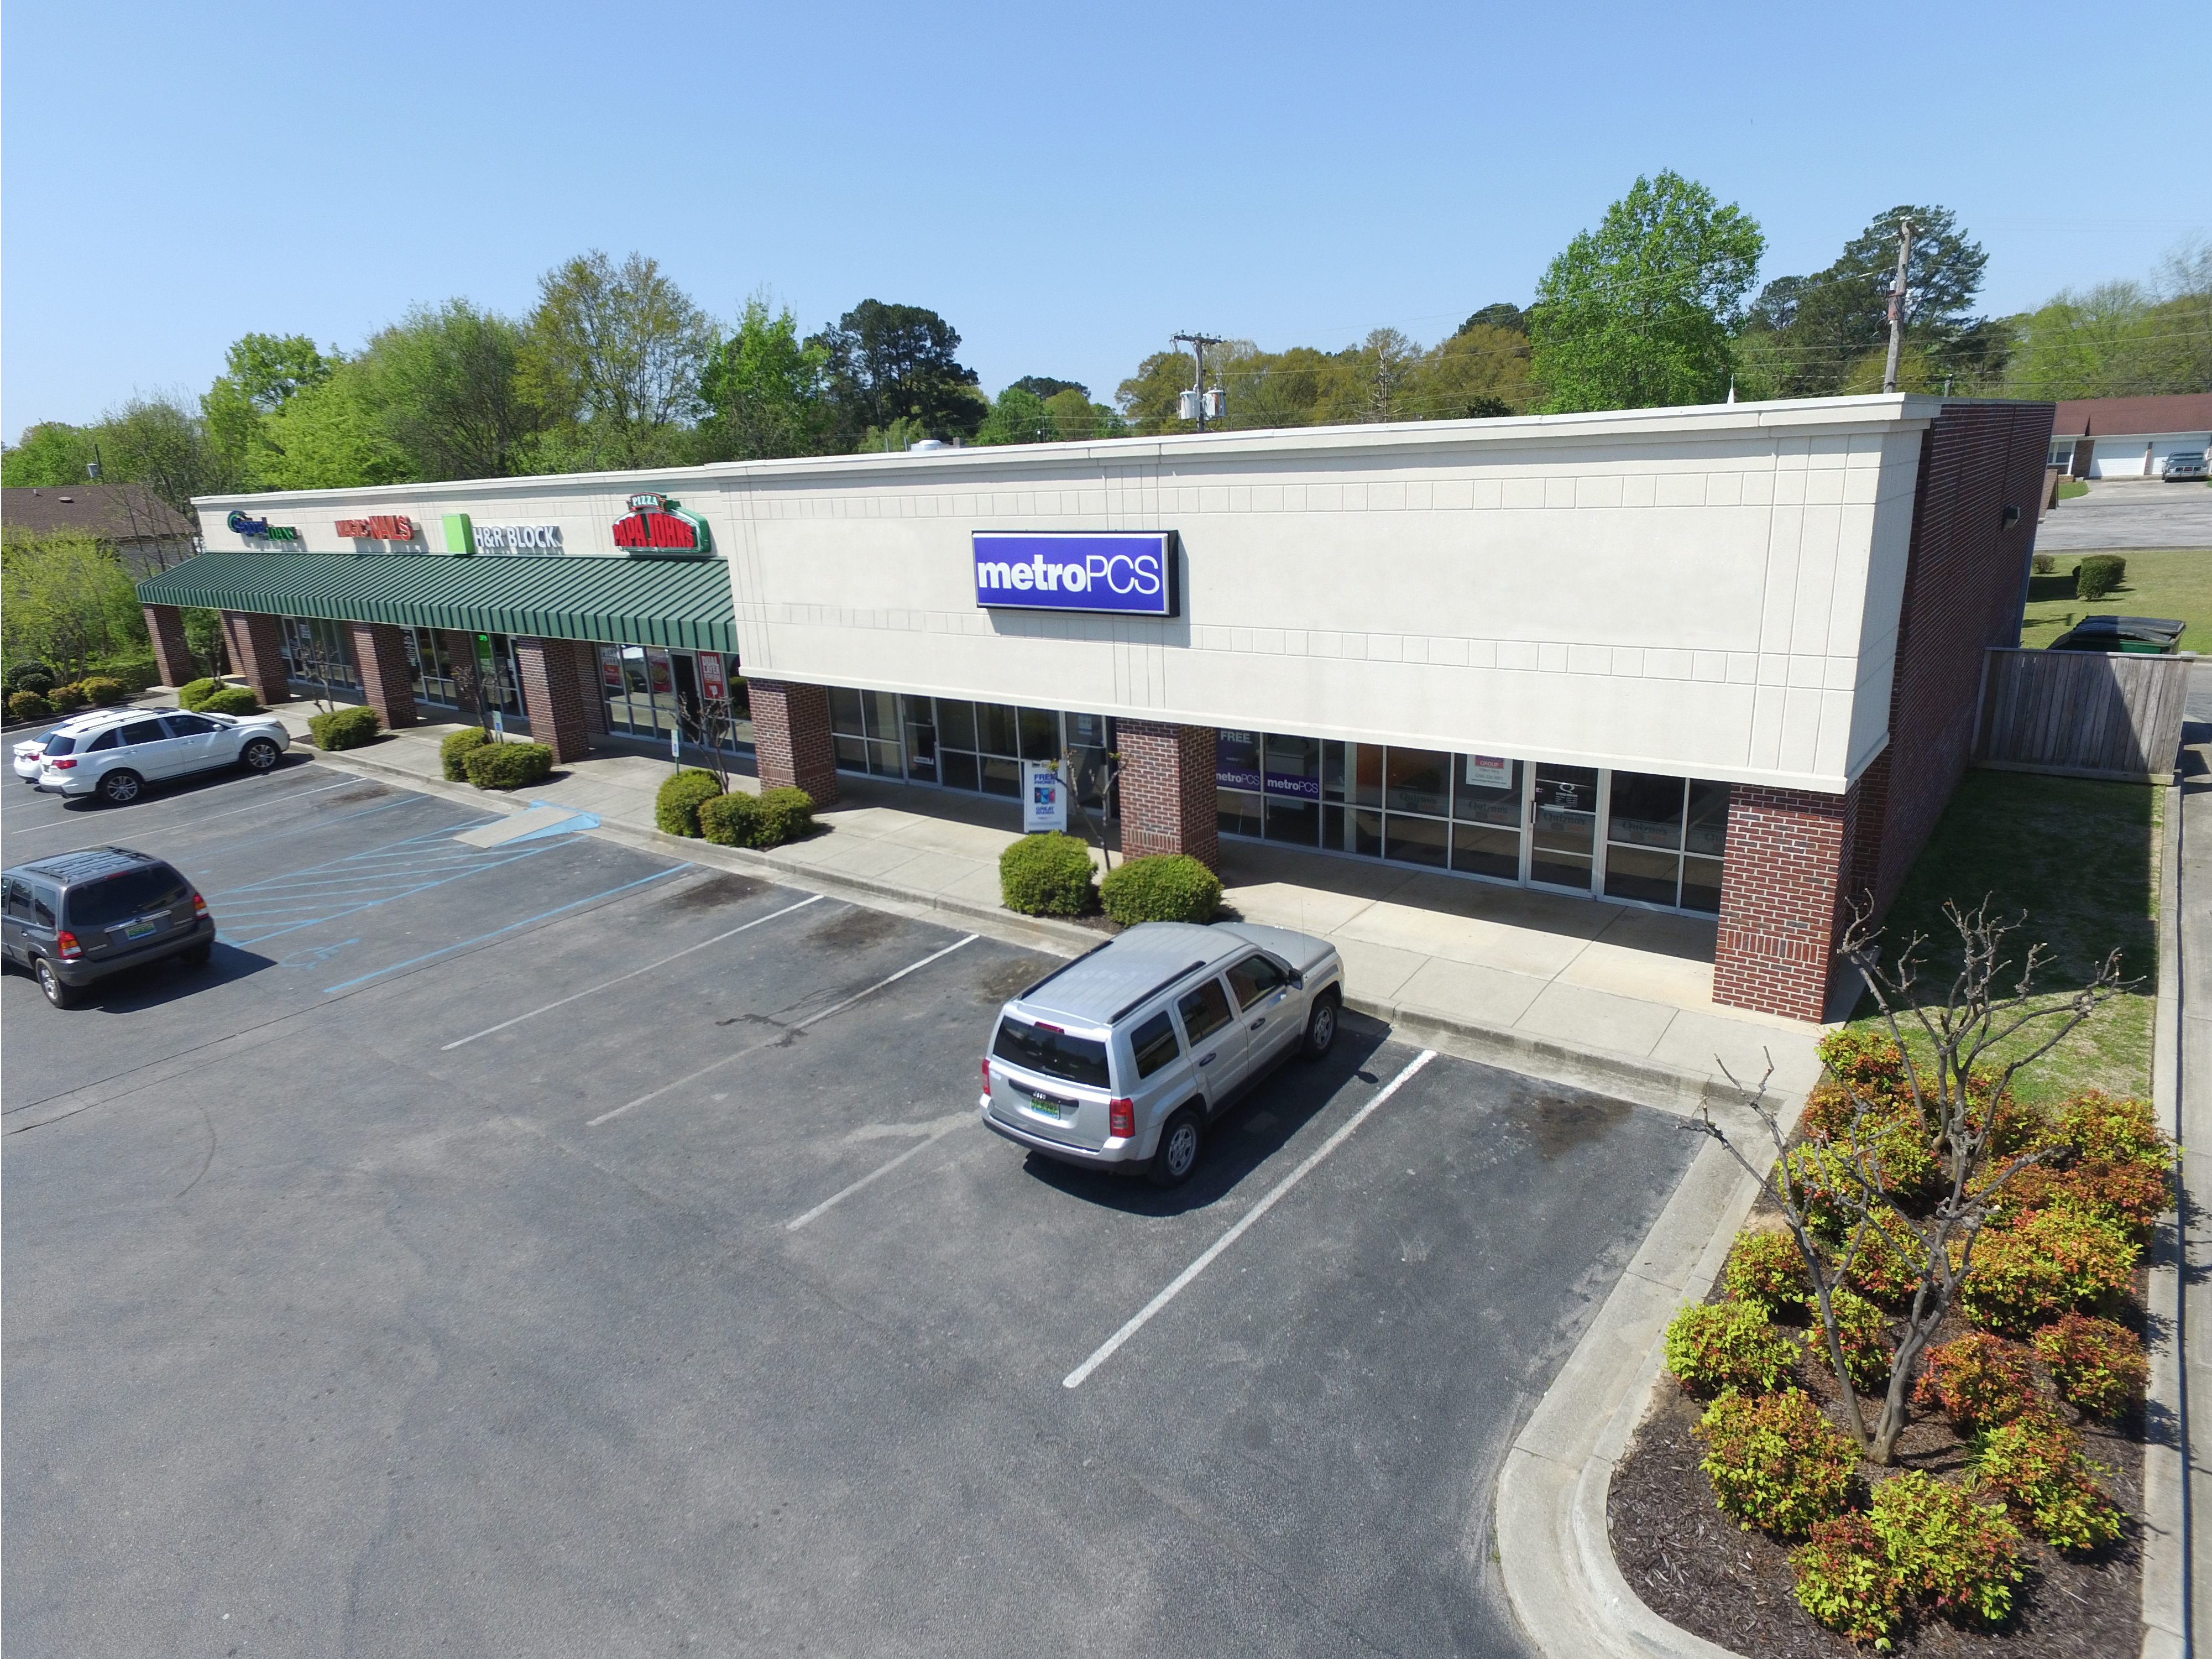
{"type": "Point", "coordinates": [887, 363]}
{"type": "Point", "coordinates": [763, 390]}
{"type": "Point", "coordinates": [1640, 312]}
{"type": "Point", "coordinates": [332, 435]}
{"type": "Point", "coordinates": [261, 374]}
{"type": "Point", "coordinates": [1019, 416]}
{"type": "Point", "coordinates": [1481, 372]}
{"type": "Point", "coordinates": [66, 599]}
{"type": "Point", "coordinates": [444, 387]}
{"type": "Point", "coordinates": [52, 453]}
{"type": "Point", "coordinates": [2120, 339]}
{"type": "Point", "coordinates": [615, 354]}
{"type": "Point", "coordinates": [1147, 397]}
{"type": "Point", "coordinates": [160, 443]}
{"type": "Point", "coordinates": [1044, 385]}
{"type": "Point", "coordinates": [1076, 418]}
{"type": "Point", "coordinates": [1503, 315]}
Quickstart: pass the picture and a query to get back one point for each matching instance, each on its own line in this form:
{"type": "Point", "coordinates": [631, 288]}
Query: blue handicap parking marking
{"type": "Point", "coordinates": [263, 910]}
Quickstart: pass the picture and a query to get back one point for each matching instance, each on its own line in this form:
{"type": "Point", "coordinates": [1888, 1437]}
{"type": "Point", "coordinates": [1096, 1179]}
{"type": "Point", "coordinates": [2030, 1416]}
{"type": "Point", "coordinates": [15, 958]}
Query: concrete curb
{"type": "Point", "coordinates": [2165, 1517]}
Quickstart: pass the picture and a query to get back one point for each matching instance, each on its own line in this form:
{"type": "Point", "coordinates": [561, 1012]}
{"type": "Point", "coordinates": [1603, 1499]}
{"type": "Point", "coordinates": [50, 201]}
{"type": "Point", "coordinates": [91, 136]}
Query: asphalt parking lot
{"type": "Point", "coordinates": [558, 1248]}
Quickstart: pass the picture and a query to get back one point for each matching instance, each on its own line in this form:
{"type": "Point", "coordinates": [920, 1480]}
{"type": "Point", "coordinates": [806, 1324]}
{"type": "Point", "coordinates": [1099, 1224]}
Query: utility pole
{"type": "Point", "coordinates": [1897, 305]}
{"type": "Point", "coordinates": [1194, 401]}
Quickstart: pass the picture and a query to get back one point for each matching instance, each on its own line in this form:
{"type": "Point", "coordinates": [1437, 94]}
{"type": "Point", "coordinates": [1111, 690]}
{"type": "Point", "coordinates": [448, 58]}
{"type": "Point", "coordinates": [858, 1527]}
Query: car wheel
{"type": "Point", "coordinates": [1179, 1144]}
{"type": "Point", "coordinates": [121, 787]}
{"type": "Point", "coordinates": [1321, 1027]}
{"type": "Point", "coordinates": [259, 755]}
{"type": "Point", "coordinates": [60, 995]}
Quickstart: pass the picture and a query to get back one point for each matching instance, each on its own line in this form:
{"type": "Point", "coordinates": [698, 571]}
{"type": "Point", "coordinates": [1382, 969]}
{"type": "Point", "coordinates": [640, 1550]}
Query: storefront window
{"type": "Point", "coordinates": [430, 669]}
{"type": "Point", "coordinates": [866, 727]}
{"type": "Point", "coordinates": [318, 653]}
{"type": "Point", "coordinates": [1236, 782]}
{"type": "Point", "coordinates": [1486, 813]}
{"type": "Point", "coordinates": [1656, 829]}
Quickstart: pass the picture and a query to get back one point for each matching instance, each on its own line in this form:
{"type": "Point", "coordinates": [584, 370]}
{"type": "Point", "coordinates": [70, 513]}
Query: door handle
{"type": "Point", "coordinates": [1257, 1024]}
{"type": "Point", "coordinates": [1208, 1060]}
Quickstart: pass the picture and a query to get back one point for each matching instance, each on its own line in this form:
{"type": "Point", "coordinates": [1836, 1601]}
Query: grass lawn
{"type": "Point", "coordinates": [2068, 492]}
{"type": "Point", "coordinates": [2161, 582]}
{"type": "Point", "coordinates": [2081, 859]}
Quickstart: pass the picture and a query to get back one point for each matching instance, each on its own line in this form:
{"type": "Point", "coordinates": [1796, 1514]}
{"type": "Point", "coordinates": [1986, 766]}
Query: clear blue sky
{"type": "Point", "coordinates": [1068, 185]}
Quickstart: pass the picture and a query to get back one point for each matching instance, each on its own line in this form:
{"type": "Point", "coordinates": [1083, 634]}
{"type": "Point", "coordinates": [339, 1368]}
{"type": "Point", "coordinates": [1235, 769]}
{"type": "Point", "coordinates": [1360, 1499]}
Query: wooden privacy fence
{"type": "Point", "coordinates": [2082, 714]}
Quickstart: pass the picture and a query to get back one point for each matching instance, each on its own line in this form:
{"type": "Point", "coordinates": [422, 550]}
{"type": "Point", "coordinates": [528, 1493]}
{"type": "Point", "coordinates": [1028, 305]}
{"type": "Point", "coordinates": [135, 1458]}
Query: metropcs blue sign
{"type": "Point", "coordinates": [1128, 572]}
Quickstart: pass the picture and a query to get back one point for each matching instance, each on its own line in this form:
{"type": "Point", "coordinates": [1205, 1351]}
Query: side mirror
{"type": "Point", "coordinates": [1298, 982]}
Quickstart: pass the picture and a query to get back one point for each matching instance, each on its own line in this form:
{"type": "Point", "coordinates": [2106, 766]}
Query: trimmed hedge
{"type": "Point", "coordinates": [65, 699]}
{"type": "Point", "coordinates": [344, 728]}
{"type": "Point", "coordinates": [2098, 1364]}
{"type": "Point", "coordinates": [193, 693]}
{"type": "Point", "coordinates": [731, 820]}
{"type": "Point", "coordinates": [1978, 1380]}
{"type": "Point", "coordinates": [1922, 1543]}
{"type": "Point", "coordinates": [453, 753]}
{"type": "Point", "coordinates": [30, 675]}
{"type": "Point", "coordinates": [1046, 875]}
{"type": "Point", "coordinates": [2051, 1262]}
{"type": "Point", "coordinates": [1765, 1268]}
{"type": "Point", "coordinates": [675, 808]}
{"type": "Point", "coordinates": [1714, 1345]}
{"type": "Point", "coordinates": [1775, 1462]}
{"type": "Point", "coordinates": [509, 765]}
{"type": "Point", "coordinates": [231, 700]}
{"type": "Point", "coordinates": [786, 814]}
{"type": "Point", "coordinates": [27, 705]}
{"type": "Point", "coordinates": [103, 690]}
{"type": "Point", "coordinates": [1166, 887]}
{"type": "Point", "coordinates": [2035, 1464]}
{"type": "Point", "coordinates": [2099, 574]}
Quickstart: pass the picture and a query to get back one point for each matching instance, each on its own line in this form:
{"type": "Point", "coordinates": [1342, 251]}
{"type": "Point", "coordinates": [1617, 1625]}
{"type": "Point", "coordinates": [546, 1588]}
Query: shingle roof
{"type": "Point", "coordinates": [121, 512]}
{"type": "Point", "coordinates": [2134, 418]}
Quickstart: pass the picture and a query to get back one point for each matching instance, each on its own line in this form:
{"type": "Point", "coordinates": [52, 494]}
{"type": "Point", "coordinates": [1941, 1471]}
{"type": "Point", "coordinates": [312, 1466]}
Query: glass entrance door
{"type": "Point", "coordinates": [1562, 818]}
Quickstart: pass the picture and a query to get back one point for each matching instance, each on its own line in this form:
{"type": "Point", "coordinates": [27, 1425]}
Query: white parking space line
{"type": "Point", "coordinates": [1106, 1349]}
{"type": "Point", "coordinates": [931, 1133]}
{"type": "Point", "coordinates": [460, 1042]}
{"type": "Point", "coordinates": [195, 822]}
{"type": "Point", "coordinates": [812, 1019]}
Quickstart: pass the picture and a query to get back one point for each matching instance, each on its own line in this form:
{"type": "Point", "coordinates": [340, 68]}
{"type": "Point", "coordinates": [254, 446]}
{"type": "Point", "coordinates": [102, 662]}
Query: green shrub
{"type": "Point", "coordinates": [27, 705]}
{"type": "Point", "coordinates": [2044, 564]}
{"type": "Point", "coordinates": [344, 728]}
{"type": "Point", "coordinates": [1881, 1268]}
{"type": "Point", "coordinates": [731, 820]}
{"type": "Point", "coordinates": [1712, 1346]}
{"type": "Point", "coordinates": [453, 752]}
{"type": "Point", "coordinates": [786, 814]}
{"type": "Point", "coordinates": [675, 808]}
{"type": "Point", "coordinates": [1824, 1184]}
{"type": "Point", "coordinates": [1978, 1380]}
{"type": "Point", "coordinates": [1862, 1334]}
{"type": "Point", "coordinates": [2050, 1262]}
{"type": "Point", "coordinates": [508, 765]}
{"type": "Point", "coordinates": [2099, 1365]}
{"type": "Point", "coordinates": [2035, 1464]}
{"type": "Point", "coordinates": [1869, 1063]}
{"type": "Point", "coordinates": [231, 700]}
{"type": "Point", "coordinates": [1950, 1553]}
{"type": "Point", "coordinates": [103, 690]}
{"type": "Point", "coordinates": [1845, 1580]}
{"type": "Point", "coordinates": [1775, 1460]}
{"type": "Point", "coordinates": [1046, 875]}
{"type": "Point", "coordinates": [2102, 1128]}
{"type": "Point", "coordinates": [30, 675]}
{"type": "Point", "coordinates": [1166, 887]}
{"type": "Point", "coordinates": [2099, 574]}
{"type": "Point", "coordinates": [193, 693]}
{"type": "Point", "coordinates": [1765, 1268]}
{"type": "Point", "coordinates": [66, 699]}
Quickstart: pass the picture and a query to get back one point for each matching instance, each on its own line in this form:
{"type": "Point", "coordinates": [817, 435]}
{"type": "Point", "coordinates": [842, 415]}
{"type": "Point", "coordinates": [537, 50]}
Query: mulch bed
{"type": "Point", "coordinates": [1695, 1567]}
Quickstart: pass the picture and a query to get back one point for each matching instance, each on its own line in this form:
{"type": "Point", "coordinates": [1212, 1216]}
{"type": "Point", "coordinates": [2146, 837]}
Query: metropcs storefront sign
{"type": "Point", "coordinates": [1128, 572]}
{"type": "Point", "coordinates": [255, 529]}
{"type": "Point", "coordinates": [656, 523]}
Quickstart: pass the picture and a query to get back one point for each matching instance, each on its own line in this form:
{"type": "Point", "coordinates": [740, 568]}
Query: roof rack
{"type": "Point", "coordinates": [1062, 969]}
{"type": "Point", "coordinates": [1123, 1012]}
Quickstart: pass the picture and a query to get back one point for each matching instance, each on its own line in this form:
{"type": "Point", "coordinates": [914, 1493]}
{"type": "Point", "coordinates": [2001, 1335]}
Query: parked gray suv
{"type": "Point", "coordinates": [1124, 1056]}
{"type": "Point", "coordinates": [78, 917]}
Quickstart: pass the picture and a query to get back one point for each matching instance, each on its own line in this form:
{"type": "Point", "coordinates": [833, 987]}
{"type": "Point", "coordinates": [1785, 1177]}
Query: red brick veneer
{"type": "Point", "coordinates": [1783, 898]}
{"type": "Point", "coordinates": [791, 741]}
{"type": "Point", "coordinates": [553, 697]}
{"type": "Point", "coordinates": [1167, 789]}
{"type": "Point", "coordinates": [379, 651]}
{"type": "Point", "coordinates": [172, 654]}
{"type": "Point", "coordinates": [257, 651]}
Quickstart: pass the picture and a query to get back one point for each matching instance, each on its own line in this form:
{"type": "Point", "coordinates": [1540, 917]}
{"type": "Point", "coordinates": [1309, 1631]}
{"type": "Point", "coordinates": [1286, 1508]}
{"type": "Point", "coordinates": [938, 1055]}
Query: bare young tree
{"type": "Point", "coordinates": [1109, 770]}
{"type": "Point", "coordinates": [1958, 1088]}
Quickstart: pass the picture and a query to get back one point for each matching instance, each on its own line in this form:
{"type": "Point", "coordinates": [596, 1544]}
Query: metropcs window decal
{"type": "Point", "coordinates": [1128, 572]}
{"type": "Point", "coordinates": [656, 522]}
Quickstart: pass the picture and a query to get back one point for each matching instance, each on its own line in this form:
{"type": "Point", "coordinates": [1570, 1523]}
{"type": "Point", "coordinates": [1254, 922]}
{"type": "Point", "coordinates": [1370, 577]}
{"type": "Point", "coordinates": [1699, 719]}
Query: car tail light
{"type": "Point", "coordinates": [986, 1074]}
{"type": "Point", "coordinates": [65, 943]}
{"type": "Point", "coordinates": [1121, 1118]}
{"type": "Point", "coordinates": [200, 905]}
{"type": "Point", "coordinates": [62, 764]}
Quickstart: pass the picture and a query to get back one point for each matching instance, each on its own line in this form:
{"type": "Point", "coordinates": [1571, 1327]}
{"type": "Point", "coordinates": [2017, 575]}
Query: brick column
{"type": "Point", "coordinates": [588, 688]}
{"type": "Point", "coordinates": [1168, 802]}
{"type": "Point", "coordinates": [791, 745]}
{"type": "Point", "coordinates": [1784, 891]}
{"type": "Point", "coordinates": [379, 651]}
{"type": "Point", "coordinates": [552, 697]}
{"type": "Point", "coordinates": [165, 625]}
{"type": "Point", "coordinates": [257, 651]}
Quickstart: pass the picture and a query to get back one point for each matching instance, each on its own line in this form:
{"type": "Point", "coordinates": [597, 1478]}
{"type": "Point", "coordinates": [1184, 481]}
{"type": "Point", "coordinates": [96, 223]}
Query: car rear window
{"type": "Point", "coordinates": [60, 745]}
{"type": "Point", "coordinates": [126, 894]}
{"type": "Point", "coordinates": [1054, 1053]}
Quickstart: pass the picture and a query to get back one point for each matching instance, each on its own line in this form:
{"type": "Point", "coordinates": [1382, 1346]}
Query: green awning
{"type": "Point", "coordinates": [678, 602]}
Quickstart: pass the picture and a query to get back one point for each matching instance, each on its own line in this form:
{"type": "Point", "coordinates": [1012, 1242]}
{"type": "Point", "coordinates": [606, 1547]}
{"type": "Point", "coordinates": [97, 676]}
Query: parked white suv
{"type": "Point", "coordinates": [117, 752]}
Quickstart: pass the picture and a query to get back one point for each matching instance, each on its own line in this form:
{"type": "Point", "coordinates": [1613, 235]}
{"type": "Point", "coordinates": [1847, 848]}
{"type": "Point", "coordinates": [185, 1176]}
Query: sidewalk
{"type": "Point", "coordinates": [1605, 995]}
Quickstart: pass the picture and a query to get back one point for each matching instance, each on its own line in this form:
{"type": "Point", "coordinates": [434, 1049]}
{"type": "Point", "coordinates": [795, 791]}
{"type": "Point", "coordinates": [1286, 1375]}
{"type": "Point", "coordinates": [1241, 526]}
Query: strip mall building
{"type": "Point", "coordinates": [1720, 660]}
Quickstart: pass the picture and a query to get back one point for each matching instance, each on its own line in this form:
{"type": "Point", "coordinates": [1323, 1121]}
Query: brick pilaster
{"type": "Point", "coordinates": [257, 651]}
{"type": "Point", "coordinates": [173, 655]}
{"type": "Point", "coordinates": [379, 651]}
{"type": "Point", "coordinates": [791, 744]}
{"type": "Point", "coordinates": [589, 688]}
{"type": "Point", "coordinates": [1167, 789]}
{"type": "Point", "coordinates": [552, 698]}
{"type": "Point", "coordinates": [1783, 889]}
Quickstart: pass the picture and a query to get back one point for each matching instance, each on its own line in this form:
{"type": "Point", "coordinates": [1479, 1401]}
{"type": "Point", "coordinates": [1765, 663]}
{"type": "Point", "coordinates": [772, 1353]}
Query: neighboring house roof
{"type": "Point", "coordinates": [2134, 418]}
{"type": "Point", "coordinates": [119, 512]}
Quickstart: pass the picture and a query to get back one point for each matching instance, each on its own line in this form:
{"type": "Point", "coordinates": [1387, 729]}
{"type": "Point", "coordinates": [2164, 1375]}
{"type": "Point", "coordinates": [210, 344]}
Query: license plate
{"type": "Point", "coordinates": [138, 929]}
{"type": "Point", "coordinates": [1049, 1107]}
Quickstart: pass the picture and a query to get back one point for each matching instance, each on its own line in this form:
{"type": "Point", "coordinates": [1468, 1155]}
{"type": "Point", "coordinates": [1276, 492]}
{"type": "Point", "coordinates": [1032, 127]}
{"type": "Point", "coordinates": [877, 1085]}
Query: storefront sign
{"type": "Point", "coordinates": [518, 538]}
{"type": "Point", "coordinates": [658, 524]}
{"type": "Point", "coordinates": [379, 527]}
{"type": "Point", "coordinates": [1130, 574]}
{"type": "Point", "coordinates": [712, 686]}
{"type": "Point", "coordinates": [1044, 798]}
{"type": "Point", "coordinates": [260, 529]}
{"type": "Point", "coordinates": [1488, 772]}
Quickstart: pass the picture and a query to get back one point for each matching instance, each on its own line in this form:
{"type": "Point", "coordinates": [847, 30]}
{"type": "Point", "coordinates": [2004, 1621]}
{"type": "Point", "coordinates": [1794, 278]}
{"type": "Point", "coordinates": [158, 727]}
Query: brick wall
{"type": "Point", "coordinates": [173, 655]}
{"type": "Point", "coordinates": [552, 695]}
{"type": "Point", "coordinates": [1783, 898]}
{"type": "Point", "coordinates": [257, 651]}
{"type": "Point", "coordinates": [791, 741]}
{"type": "Point", "coordinates": [1964, 580]}
{"type": "Point", "coordinates": [1167, 790]}
{"type": "Point", "coordinates": [587, 688]}
{"type": "Point", "coordinates": [379, 651]}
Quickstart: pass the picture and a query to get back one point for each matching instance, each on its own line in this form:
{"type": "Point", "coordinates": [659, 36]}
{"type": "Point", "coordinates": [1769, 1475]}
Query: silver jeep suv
{"type": "Point", "coordinates": [1124, 1056]}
